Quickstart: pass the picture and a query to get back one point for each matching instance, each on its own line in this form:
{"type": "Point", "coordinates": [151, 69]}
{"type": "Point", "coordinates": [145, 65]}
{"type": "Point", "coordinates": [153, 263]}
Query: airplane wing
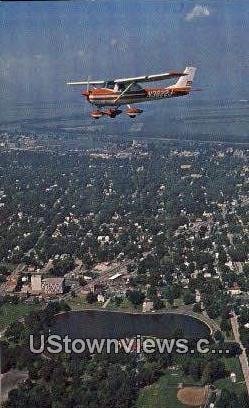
{"type": "Point", "coordinates": [150, 78]}
{"type": "Point", "coordinates": [86, 83]}
{"type": "Point", "coordinates": [144, 78]}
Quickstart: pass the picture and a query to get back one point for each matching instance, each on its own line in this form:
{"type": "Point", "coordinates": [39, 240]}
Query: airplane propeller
{"type": "Point", "coordinates": [88, 83]}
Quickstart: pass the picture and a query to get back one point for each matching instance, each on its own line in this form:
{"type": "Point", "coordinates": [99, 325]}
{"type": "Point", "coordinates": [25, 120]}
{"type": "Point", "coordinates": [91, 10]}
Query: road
{"type": "Point", "coordinates": [102, 278]}
{"type": "Point", "coordinates": [243, 357]}
{"type": "Point", "coordinates": [106, 303]}
{"type": "Point", "coordinates": [10, 381]}
{"type": "Point", "coordinates": [187, 310]}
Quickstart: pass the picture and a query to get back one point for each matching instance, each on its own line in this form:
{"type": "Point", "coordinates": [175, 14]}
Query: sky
{"type": "Point", "coordinates": [44, 44]}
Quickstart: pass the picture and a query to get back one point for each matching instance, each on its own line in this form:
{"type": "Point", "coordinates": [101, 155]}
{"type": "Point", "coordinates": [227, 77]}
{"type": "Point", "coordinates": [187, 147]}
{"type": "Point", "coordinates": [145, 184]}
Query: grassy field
{"type": "Point", "coordinates": [11, 312]}
{"type": "Point", "coordinates": [233, 365]}
{"type": "Point", "coordinates": [124, 306]}
{"type": "Point", "coordinates": [162, 394]}
{"type": "Point", "coordinates": [80, 303]}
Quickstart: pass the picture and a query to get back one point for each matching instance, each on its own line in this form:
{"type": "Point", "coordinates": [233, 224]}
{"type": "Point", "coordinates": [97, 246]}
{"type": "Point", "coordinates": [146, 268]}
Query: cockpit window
{"type": "Point", "coordinates": [122, 86]}
{"type": "Point", "coordinates": [135, 87]}
{"type": "Point", "coordinates": [109, 84]}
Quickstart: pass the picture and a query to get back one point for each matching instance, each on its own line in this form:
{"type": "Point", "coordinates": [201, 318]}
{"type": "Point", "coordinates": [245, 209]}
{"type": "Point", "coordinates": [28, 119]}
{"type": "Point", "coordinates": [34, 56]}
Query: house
{"type": "Point", "coordinates": [148, 306]}
{"type": "Point", "coordinates": [185, 166]}
{"type": "Point", "coordinates": [100, 298]}
{"type": "Point", "coordinates": [197, 296]}
{"type": "Point", "coordinates": [234, 290]}
{"type": "Point", "coordinates": [10, 285]}
{"type": "Point", "coordinates": [53, 286]}
{"type": "Point", "coordinates": [116, 276]}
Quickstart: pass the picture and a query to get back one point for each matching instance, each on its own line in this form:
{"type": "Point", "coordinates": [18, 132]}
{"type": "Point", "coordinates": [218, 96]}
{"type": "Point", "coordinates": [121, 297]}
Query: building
{"type": "Point", "coordinates": [114, 277]}
{"type": "Point", "coordinates": [36, 284]}
{"type": "Point", "coordinates": [101, 298]}
{"type": "Point", "coordinates": [197, 296]}
{"type": "Point", "coordinates": [234, 290]}
{"type": "Point", "coordinates": [10, 285]}
{"type": "Point", "coordinates": [148, 306]}
{"type": "Point", "coordinates": [53, 286]}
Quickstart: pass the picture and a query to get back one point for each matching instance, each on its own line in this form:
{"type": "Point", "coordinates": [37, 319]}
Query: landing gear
{"type": "Point", "coordinates": [112, 113]}
{"type": "Point", "coordinates": [96, 114]}
{"type": "Point", "coordinates": [133, 112]}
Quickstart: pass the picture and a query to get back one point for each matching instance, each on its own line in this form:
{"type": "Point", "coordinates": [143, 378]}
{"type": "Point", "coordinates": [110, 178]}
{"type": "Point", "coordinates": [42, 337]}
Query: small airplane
{"type": "Point", "coordinates": [127, 91]}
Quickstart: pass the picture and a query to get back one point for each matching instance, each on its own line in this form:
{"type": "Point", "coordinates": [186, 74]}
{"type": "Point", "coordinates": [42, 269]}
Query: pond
{"type": "Point", "coordinates": [110, 324]}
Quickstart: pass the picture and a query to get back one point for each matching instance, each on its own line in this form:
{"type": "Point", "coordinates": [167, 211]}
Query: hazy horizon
{"type": "Point", "coordinates": [43, 44]}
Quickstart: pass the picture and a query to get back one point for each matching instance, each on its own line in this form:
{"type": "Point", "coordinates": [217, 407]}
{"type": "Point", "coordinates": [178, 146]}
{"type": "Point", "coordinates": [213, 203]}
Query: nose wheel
{"type": "Point", "coordinates": [112, 113]}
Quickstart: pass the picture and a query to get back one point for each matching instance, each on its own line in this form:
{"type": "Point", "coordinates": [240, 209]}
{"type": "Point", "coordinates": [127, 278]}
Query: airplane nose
{"type": "Point", "coordinates": [85, 93]}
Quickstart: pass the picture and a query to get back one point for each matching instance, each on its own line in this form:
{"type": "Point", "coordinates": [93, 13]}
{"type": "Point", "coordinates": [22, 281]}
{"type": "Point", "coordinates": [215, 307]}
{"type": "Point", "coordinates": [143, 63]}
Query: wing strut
{"type": "Point", "coordinates": [124, 91]}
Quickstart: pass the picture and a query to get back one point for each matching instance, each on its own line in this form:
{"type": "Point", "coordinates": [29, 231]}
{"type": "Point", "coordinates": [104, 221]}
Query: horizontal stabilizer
{"type": "Point", "coordinates": [187, 79]}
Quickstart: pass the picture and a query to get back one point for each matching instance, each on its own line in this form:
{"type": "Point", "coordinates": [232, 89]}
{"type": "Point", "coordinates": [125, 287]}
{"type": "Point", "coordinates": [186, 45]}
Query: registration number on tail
{"type": "Point", "coordinates": [158, 93]}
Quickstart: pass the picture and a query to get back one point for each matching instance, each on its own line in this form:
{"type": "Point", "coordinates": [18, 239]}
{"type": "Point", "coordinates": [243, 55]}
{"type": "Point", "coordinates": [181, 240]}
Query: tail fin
{"type": "Point", "coordinates": [187, 79]}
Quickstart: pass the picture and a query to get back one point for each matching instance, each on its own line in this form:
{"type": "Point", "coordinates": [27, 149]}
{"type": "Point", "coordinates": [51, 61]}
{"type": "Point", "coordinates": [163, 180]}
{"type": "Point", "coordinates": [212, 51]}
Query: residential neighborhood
{"type": "Point", "coordinates": [133, 227]}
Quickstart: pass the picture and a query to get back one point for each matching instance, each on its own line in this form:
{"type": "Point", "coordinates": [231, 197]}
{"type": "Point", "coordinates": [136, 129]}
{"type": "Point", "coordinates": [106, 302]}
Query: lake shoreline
{"type": "Point", "coordinates": [102, 323]}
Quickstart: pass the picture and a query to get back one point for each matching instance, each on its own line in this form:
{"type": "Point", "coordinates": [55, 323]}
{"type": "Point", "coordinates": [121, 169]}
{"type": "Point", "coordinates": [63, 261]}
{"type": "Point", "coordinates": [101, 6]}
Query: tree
{"type": "Point", "coordinates": [169, 295]}
{"type": "Point", "coordinates": [91, 297]}
{"type": "Point", "coordinates": [218, 336]}
{"type": "Point", "coordinates": [82, 281]}
{"type": "Point", "coordinates": [4, 270]}
{"type": "Point", "coordinates": [243, 400]}
{"type": "Point", "coordinates": [225, 326]}
{"type": "Point", "coordinates": [197, 308]}
{"type": "Point", "coordinates": [2, 279]}
{"type": "Point", "coordinates": [158, 303]}
{"type": "Point", "coordinates": [244, 336]}
{"type": "Point", "coordinates": [228, 399]}
{"type": "Point", "coordinates": [150, 373]}
{"type": "Point", "coordinates": [188, 297]}
{"type": "Point", "coordinates": [213, 371]}
{"type": "Point", "coordinates": [15, 331]}
{"type": "Point", "coordinates": [7, 357]}
{"type": "Point", "coordinates": [136, 297]}
{"type": "Point", "coordinates": [196, 369]}
{"type": "Point", "coordinates": [34, 396]}
{"type": "Point", "coordinates": [233, 348]}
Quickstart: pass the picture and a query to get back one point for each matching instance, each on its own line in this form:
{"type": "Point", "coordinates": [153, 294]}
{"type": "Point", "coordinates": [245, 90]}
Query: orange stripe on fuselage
{"type": "Point", "coordinates": [104, 96]}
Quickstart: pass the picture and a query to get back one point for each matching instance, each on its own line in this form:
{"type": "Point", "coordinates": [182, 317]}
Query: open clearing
{"type": "Point", "coordinates": [193, 396]}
